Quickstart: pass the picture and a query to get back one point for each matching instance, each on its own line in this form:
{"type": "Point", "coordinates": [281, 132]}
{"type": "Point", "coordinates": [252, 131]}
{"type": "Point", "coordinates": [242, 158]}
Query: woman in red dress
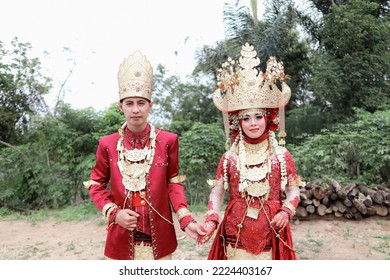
{"type": "Point", "coordinates": [257, 172]}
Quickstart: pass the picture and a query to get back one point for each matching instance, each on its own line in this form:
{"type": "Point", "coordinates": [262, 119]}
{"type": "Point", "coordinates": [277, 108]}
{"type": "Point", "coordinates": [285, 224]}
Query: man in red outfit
{"type": "Point", "coordinates": [135, 181]}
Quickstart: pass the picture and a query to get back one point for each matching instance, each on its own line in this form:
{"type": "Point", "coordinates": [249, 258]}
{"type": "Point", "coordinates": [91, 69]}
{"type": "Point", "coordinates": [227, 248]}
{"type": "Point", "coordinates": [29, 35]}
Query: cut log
{"type": "Point", "coordinates": [338, 189]}
{"type": "Point", "coordinates": [378, 197]}
{"type": "Point", "coordinates": [368, 201]}
{"type": "Point", "coordinates": [309, 185]}
{"type": "Point", "coordinates": [329, 210]}
{"type": "Point", "coordinates": [325, 201]}
{"type": "Point", "coordinates": [318, 192]}
{"type": "Point", "coordinates": [340, 206]}
{"type": "Point", "coordinates": [306, 202]}
{"type": "Point", "coordinates": [334, 196]}
{"type": "Point", "coordinates": [321, 210]}
{"type": "Point", "coordinates": [343, 193]}
{"type": "Point", "coordinates": [348, 215]}
{"type": "Point", "coordinates": [316, 202]}
{"type": "Point", "coordinates": [385, 189]}
{"type": "Point", "coordinates": [353, 193]}
{"type": "Point", "coordinates": [309, 194]}
{"type": "Point", "coordinates": [386, 195]}
{"type": "Point", "coordinates": [371, 211]}
{"type": "Point", "coordinates": [366, 190]}
{"type": "Point", "coordinates": [347, 202]}
{"type": "Point", "coordinates": [310, 209]}
{"type": "Point", "coordinates": [301, 211]}
{"type": "Point", "coordinates": [359, 206]}
{"type": "Point", "coordinates": [381, 210]}
{"type": "Point", "coordinates": [338, 214]}
{"type": "Point", "coordinates": [336, 185]}
{"type": "Point", "coordinates": [358, 216]}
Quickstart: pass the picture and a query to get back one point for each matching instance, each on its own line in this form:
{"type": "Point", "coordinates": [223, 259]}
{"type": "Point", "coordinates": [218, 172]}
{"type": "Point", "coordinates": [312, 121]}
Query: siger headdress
{"type": "Point", "coordinates": [135, 77]}
{"type": "Point", "coordinates": [242, 86]}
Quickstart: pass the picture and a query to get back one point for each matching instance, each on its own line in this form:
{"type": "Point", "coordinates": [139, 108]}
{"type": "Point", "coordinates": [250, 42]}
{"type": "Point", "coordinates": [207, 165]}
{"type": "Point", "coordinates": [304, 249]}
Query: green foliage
{"type": "Point", "coordinates": [356, 151]}
{"type": "Point", "coordinates": [49, 170]}
{"type": "Point", "coordinates": [308, 120]}
{"type": "Point", "coordinates": [109, 122]}
{"type": "Point", "coordinates": [351, 67]}
{"type": "Point", "coordinates": [275, 35]}
{"type": "Point", "coordinates": [177, 101]}
{"type": "Point", "coordinates": [22, 87]}
{"type": "Point", "coordinates": [29, 181]}
{"type": "Point", "coordinates": [200, 151]}
{"type": "Point", "coordinates": [45, 158]}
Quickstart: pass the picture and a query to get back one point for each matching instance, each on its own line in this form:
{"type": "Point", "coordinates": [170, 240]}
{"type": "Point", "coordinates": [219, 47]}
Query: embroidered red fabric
{"type": "Point", "coordinates": [255, 235]}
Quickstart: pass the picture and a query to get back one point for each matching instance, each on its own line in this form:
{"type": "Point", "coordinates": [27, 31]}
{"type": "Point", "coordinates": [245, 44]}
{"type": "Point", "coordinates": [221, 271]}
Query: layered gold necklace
{"type": "Point", "coordinates": [135, 164]}
{"type": "Point", "coordinates": [255, 156]}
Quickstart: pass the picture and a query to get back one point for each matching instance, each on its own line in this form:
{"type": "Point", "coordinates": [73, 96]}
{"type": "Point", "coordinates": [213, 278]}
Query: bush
{"type": "Point", "coordinates": [357, 151]}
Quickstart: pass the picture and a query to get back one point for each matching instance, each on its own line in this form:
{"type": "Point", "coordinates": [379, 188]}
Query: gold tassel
{"type": "Point", "coordinates": [282, 129]}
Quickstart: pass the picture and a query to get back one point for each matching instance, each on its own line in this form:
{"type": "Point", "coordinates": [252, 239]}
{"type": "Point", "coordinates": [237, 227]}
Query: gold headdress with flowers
{"type": "Point", "coordinates": [135, 77]}
{"type": "Point", "coordinates": [242, 86]}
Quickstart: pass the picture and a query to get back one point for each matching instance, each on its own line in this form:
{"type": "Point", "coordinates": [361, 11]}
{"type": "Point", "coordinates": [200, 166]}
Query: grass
{"type": "Point", "coordinates": [309, 246]}
{"type": "Point", "coordinates": [80, 212]}
{"type": "Point", "coordinates": [347, 232]}
{"type": "Point", "coordinates": [383, 245]}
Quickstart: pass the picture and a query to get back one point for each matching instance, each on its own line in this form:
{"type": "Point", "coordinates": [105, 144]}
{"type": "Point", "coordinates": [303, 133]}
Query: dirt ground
{"type": "Point", "coordinates": [315, 239]}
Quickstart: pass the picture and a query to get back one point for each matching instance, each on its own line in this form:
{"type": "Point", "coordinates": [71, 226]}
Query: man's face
{"type": "Point", "coordinates": [136, 111]}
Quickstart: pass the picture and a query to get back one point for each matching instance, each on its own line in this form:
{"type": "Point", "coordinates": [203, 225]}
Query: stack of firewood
{"type": "Point", "coordinates": [354, 201]}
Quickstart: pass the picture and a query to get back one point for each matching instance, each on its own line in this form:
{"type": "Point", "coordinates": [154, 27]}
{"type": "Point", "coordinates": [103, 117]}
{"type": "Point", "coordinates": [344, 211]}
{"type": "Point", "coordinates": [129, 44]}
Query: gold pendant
{"type": "Point", "coordinates": [252, 213]}
{"type": "Point", "coordinates": [259, 189]}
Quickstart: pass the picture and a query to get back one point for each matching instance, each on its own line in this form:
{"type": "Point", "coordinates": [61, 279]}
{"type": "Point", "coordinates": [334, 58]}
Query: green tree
{"type": "Point", "coordinates": [176, 101]}
{"type": "Point", "coordinates": [49, 170]}
{"type": "Point", "coordinates": [351, 68]}
{"type": "Point", "coordinates": [274, 35]}
{"type": "Point", "coordinates": [22, 87]}
{"type": "Point", "coordinates": [201, 148]}
{"type": "Point", "coordinates": [109, 121]}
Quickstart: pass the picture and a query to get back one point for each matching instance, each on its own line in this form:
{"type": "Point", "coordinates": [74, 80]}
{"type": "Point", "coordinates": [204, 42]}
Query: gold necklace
{"type": "Point", "coordinates": [256, 153]}
{"type": "Point", "coordinates": [135, 164]}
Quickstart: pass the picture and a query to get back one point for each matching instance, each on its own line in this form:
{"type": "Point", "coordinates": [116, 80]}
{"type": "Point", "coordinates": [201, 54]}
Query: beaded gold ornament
{"type": "Point", "coordinates": [135, 164]}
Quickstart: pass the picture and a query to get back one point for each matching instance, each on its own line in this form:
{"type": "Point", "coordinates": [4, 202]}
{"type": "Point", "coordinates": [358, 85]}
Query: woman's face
{"type": "Point", "coordinates": [253, 125]}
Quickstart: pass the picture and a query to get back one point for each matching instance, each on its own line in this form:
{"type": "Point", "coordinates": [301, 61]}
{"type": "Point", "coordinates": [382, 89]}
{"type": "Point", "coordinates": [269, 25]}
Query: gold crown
{"type": "Point", "coordinates": [135, 77]}
{"type": "Point", "coordinates": [242, 86]}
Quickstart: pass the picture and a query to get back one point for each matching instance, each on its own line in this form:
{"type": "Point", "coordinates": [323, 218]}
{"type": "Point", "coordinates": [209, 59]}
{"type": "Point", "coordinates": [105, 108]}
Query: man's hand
{"type": "Point", "coordinates": [208, 228]}
{"type": "Point", "coordinates": [127, 219]}
{"type": "Point", "coordinates": [194, 231]}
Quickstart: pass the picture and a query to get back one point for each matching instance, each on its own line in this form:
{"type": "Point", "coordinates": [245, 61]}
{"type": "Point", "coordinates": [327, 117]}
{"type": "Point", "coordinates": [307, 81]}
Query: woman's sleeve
{"type": "Point", "coordinates": [292, 190]}
{"type": "Point", "coordinates": [217, 193]}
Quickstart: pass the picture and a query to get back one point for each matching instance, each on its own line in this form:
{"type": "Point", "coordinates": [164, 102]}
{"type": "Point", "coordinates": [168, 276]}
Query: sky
{"type": "Point", "coordinates": [100, 34]}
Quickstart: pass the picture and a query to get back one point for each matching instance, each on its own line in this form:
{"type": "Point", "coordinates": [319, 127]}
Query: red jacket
{"type": "Point", "coordinates": [161, 193]}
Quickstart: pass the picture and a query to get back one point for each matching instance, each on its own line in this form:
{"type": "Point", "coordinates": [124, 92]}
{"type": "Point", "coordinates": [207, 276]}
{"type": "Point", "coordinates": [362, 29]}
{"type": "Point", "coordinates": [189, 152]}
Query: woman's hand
{"type": "Point", "coordinates": [208, 228]}
{"type": "Point", "coordinates": [194, 231]}
{"type": "Point", "coordinates": [280, 220]}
